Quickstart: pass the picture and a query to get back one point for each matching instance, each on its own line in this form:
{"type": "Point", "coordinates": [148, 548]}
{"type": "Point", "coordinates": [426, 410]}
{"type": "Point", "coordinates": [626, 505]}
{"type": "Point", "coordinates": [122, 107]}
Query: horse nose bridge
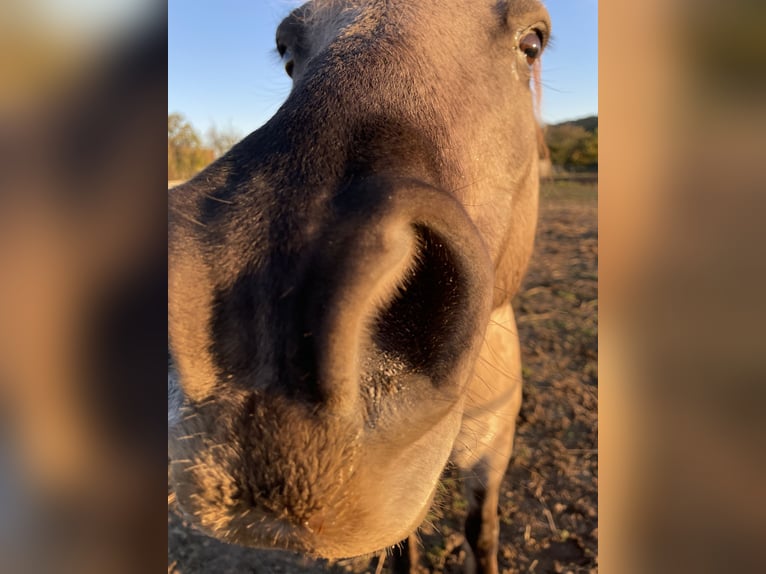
{"type": "Point", "coordinates": [358, 269]}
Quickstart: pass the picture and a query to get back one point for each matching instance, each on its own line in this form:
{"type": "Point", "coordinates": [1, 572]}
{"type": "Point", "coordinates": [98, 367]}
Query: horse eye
{"type": "Point", "coordinates": [531, 45]}
{"type": "Point", "coordinates": [287, 56]}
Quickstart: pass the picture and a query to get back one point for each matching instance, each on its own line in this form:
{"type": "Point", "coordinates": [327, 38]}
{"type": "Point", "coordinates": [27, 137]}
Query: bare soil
{"type": "Point", "coordinates": [548, 502]}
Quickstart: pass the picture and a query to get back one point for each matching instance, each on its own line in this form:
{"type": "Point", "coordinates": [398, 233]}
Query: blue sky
{"type": "Point", "coordinates": [223, 69]}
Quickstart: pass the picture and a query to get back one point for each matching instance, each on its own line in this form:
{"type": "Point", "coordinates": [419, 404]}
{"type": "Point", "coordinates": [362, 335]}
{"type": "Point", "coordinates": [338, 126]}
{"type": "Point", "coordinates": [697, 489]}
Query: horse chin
{"type": "Point", "coordinates": [371, 501]}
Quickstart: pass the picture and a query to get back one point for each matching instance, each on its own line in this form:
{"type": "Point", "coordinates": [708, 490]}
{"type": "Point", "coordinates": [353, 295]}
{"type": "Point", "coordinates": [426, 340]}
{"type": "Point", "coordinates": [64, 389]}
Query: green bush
{"type": "Point", "coordinates": [574, 145]}
{"type": "Point", "coordinates": [186, 154]}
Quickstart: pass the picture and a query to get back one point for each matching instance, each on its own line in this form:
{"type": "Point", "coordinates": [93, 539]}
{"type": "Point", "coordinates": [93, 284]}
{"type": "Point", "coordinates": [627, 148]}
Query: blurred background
{"type": "Point", "coordinates": [82, 285]}
{"type": "Point", "coordinates": [82, 282]}
{"type": "Point", "coordinates": [682, 268]}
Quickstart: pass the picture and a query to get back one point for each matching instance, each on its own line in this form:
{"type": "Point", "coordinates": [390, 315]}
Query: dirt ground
{"type": "Point", "coordinates": [548, 502]}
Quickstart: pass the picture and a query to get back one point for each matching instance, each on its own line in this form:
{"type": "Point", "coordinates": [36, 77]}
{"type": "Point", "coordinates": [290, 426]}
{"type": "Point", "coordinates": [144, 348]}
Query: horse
{"type": "Point", "coordinates": [339, 282]}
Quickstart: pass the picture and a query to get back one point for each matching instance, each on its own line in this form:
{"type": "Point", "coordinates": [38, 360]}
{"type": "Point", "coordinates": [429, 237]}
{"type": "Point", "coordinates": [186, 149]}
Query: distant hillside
{"type": "Point", "coordinates": [589, 124]}
{"type": "Point", "coordinates": [573, 145]}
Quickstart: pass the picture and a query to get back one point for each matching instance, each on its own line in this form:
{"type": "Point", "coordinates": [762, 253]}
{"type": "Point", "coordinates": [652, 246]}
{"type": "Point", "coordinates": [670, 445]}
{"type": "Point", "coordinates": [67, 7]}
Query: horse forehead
{"type": "Point", "coordinates": [326, 19]}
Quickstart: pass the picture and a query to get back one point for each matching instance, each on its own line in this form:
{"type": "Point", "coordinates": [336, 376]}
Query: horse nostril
{"type": "Point", "coordinates": [400, 291]}
{"type": "Point", "coordinates": [419, 325]}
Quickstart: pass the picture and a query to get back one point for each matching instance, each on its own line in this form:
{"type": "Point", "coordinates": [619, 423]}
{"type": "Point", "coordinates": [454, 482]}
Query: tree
{"type": "Point", "coordinates": [221, 141]}
{"type": "Point", "coordinates": [572, 145]}
{"type": "Point", "coordinates": [585, 153]}
{"type": "Point", "coordinates": [186, 154]}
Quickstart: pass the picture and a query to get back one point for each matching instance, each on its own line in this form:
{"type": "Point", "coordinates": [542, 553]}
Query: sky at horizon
{"type": "Point", "coordinates": [223, 68]}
